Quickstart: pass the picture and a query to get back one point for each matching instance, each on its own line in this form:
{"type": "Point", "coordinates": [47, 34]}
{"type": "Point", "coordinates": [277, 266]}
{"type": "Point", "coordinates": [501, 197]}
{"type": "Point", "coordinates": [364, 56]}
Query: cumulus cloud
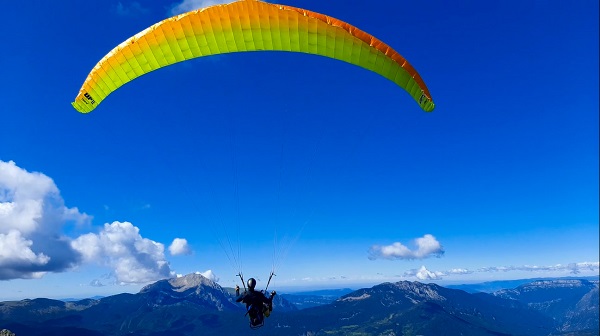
{"type": "Point", "coordinates": [32, 243]}
{"type": "Point", "coordinates": [32, 216]}
{"type": "Point", "coordinates": [189, 5]}
{"type": "Point", "coordinates": [210, 275]}
{"type": "Point", "coordinates": [426, 246]}
{"type": "Point", "coordinates": [424, 274]}
{"type": "Point", "coordinates": [17, 260]}
{"type": "Point", "coordinates": [120, 246]}
{"type": "Point", "coordinates": [179, 246]}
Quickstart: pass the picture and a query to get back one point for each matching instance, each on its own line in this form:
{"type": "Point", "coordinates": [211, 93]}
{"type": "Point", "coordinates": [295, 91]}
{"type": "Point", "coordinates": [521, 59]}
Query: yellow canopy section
{"type": "Point", "coordinates": [246, 25]}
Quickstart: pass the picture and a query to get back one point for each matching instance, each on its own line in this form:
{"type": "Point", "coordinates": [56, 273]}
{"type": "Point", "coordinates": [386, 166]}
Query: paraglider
{"type": "Point", "coordinates": [258, 306]}
{"type": "Point", "coordinates": [243, 26]}
{"type": "Point", "coordinates": [246, 25]}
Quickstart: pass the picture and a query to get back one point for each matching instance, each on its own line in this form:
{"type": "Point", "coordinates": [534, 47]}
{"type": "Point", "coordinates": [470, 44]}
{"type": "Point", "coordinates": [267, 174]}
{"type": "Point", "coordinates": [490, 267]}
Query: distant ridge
{"type": "Point", "coordinates": [492, 286]}
{"type": "Point", "coordinates": [577, 306]}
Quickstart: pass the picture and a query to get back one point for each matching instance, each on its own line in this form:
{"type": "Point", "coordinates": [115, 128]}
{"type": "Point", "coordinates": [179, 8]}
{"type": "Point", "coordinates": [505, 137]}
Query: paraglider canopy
{"type": "Point", "coordinates": [246, 25]}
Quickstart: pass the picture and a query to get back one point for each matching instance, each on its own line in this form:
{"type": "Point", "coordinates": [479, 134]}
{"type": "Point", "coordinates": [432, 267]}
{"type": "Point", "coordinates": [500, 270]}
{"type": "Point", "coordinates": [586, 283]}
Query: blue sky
{"type": "Point", "coordinates": [356, 182]}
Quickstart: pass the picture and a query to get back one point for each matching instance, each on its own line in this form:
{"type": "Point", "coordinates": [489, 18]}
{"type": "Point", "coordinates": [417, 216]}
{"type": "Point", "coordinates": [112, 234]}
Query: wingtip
{"type": "Point", "coordinates": [77, 106]}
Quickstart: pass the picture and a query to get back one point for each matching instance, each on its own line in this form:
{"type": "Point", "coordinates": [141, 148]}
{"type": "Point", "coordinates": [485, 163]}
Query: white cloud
{"type": "Point", "coordinates": [424, 274]}
{"type": "Point", "coordinates": [576, 268]}
{"type": "Point", "coordinates": [458, 271]}
{"type": "Point", "coordinates": [32, 219]}
{"type": "Point", "coordinates": [189, 5]}
{"type": "Point", "coordinates": [426, 246]}
{"type": "Point", "coordinates": [22, 196]}
{"type": "Point", "coordinates": [17, 260]}
{"type": "Point", "coordinates": [32, 216]}
{"type": "Point", "coordinates": [210, 275]}
{"type": "Point", "coordinates": [573, 268]}
{"type": "Point", "coordinates": [119, 245]}
{"type": "Point", "coordinates": [179, 246]}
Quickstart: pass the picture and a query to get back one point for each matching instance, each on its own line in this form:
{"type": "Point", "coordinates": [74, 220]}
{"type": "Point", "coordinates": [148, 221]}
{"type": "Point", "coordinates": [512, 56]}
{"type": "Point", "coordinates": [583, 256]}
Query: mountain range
{"type": "Point", "coordinates": [195, 305]}
{"type": "Point", "coordinates": [573, 304]}
{"type": "Point", "coordinates": [494, 286]}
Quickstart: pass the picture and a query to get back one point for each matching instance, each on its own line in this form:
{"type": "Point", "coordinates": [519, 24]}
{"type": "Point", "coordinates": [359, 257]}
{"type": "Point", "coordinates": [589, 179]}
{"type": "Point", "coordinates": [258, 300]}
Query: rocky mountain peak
{"type": "Point", "coordinates": [421, 290]}
{"type": "Point", "coordinates": [193, 288]}
{"type": "Point", "coordinates": [182, 284]}
{"type": "Point", "coordinates": [186, 282]}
